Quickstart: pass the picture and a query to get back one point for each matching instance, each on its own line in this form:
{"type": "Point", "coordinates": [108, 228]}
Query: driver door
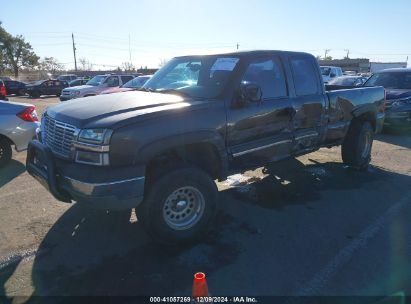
{"type": "Point", "coordinates": [261, 131]}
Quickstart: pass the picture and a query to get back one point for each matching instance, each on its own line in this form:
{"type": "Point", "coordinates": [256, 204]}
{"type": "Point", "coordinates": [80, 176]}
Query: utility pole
{"type": "Point", "coordinates": [326, 52]}
{"type": "Point", "coordinates": [238, 45]}
{"type": "Point", "coordinates": [74, 52]}
{"type": "Point", "coordinates": [348, 53]}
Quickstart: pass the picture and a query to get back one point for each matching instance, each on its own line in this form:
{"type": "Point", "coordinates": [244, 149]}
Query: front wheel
{"type": "Point", "coordinates": [179, 206]}
{"type": "Point", "coordinates": [356, 148]}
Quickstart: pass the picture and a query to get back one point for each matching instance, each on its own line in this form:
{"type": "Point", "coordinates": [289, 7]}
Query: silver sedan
{"type": "Point", "coordinates": [18, 124]}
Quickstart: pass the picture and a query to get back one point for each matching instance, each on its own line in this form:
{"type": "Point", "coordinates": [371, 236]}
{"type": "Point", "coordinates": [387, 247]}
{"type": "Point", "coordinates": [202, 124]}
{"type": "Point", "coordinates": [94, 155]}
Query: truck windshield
{"type": "Point", "coordinates": [196, 76]}
{"type": "Point", "coordinates": [95, 81]}
{"type": "Point", "coordinates": [325, 71]}
{"type": "Point", "coordinates": [391, 80]}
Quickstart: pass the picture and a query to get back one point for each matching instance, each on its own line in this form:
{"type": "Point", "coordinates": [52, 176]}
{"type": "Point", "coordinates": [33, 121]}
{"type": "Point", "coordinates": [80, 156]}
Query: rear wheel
{"type": "Point", "coordinates": [357, 145]}
{"type": "Point", "coordinates": [5, 152]}
{"type": "Point", "coordinates": [179, 206]}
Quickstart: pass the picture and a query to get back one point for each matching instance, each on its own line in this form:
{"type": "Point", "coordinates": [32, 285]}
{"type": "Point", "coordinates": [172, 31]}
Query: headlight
{"type": "Point", "coordinates": [401, 102]}
{"type": "Point", "coordinates": [92, 147]}
{"type": "Point", "coordinates": [397, 103]}
{"type": "Point", "coordinates": [75, 93]}
{"type": "Point", "coordinates": [101, 136]}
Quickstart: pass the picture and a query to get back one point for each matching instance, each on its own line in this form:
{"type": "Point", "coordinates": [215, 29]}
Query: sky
{"type": "Point", "coordinates": [108, 33]}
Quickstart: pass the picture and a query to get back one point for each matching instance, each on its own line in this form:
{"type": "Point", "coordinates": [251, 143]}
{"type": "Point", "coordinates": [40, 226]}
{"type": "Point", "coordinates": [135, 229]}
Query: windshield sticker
{"type": "Point", "coordinates": [224, 64]}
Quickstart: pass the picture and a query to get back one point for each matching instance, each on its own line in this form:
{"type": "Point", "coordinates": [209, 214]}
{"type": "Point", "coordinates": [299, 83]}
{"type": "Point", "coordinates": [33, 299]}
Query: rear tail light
{"type": "Point", "coordinates": [3, 91]}
{"type": "Point", "coordinates": [28, 114]}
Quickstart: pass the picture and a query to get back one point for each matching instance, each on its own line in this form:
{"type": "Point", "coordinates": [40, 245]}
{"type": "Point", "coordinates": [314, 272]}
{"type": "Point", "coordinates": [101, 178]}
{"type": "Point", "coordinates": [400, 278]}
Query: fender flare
{"type": "Point", "coordinates": [367, 108]}
{"type": "Point", "coordinates": [161, 145]}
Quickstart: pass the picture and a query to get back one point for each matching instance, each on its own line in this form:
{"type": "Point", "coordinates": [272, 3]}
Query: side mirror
{"type": "Point", "coordinates": [251, 93]}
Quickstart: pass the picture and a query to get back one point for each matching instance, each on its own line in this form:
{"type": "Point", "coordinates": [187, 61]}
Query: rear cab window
{"type": "Point", "coordinates": [304, 76]}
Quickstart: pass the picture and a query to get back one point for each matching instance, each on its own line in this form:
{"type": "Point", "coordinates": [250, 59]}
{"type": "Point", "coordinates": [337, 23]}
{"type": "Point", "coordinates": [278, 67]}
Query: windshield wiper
{"type": "Point", "coordinates": [143, 89]}
{"type": "Point", "coordinates": [166, 91]}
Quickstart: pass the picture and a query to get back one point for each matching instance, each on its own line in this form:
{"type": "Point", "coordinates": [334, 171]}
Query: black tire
{"type": "Point", "coordinates": [35, 95]}
{"type": "Point", "coordinates": [198, 204]}
{"type": "Point", "coordinates": [21, 92]}
{"type": "Point", "coordinates": [5, 151]}
{"type": "Point", "coordinates": [357, 145]}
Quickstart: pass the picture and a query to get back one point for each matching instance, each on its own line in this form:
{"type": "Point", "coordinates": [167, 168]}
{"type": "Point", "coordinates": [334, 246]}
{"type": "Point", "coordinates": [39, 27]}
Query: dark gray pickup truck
{"type": "Point", "coordinates": [198, 119]}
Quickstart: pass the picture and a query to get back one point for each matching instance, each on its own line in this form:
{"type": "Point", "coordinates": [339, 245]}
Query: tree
{"type": "Point", "coordinates": [51, 65]}
{"type": "Point", "coordinates": [16, 52]}
{"type": "Point", "coordinates": [85, 65]}
{"type": "Point", "coordinates": [128, 67]}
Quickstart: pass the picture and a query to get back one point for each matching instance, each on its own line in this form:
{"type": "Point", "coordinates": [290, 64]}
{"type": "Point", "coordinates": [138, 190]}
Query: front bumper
{"type": "Point", "coordinates": [23, 133]}
{"type": "Point", "coordinates": [398, 120]}
{"type": "Point", "coordinates": [107, 190]}
{"type": "Point", "coordinates": [65, 97]}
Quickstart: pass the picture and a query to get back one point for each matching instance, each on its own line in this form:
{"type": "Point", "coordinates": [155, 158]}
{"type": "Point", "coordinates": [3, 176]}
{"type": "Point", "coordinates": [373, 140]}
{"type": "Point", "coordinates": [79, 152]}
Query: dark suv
{"type": "Point", "coordinates": [46, 87]}
{"type": "Point", "coordinates": [15, 87]}
{"type": "Point", "coordinates": [397, 83]}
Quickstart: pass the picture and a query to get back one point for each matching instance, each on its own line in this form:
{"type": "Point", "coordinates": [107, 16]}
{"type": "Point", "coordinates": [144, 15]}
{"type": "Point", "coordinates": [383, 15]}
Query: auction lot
{"type": "Point", "coordinates": [306, 226]}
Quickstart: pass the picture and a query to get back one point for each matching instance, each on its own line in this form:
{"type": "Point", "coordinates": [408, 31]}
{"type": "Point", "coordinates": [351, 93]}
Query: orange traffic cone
{"type": "Point", "coordinates": [200, 288]}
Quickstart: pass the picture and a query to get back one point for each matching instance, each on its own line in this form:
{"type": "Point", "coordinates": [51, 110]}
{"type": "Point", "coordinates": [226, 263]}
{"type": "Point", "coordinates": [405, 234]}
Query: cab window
{"type": "Point", "coordinates": [268, 75]}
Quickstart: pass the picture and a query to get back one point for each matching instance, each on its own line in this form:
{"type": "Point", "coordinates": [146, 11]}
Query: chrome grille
{"type": "Point", "coordinates": [58, 136]}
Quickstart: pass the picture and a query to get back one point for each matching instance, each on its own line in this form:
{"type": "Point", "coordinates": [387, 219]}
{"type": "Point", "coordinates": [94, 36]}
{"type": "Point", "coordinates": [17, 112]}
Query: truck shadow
{"type": "Point", "coordinates": [13, 169]}
{"type": "Point", "coordinates": [397, 139]}
{"type": "Point", "coordinates": [292, 182]}
{"type": "Point", "coordinates": [89, 252]}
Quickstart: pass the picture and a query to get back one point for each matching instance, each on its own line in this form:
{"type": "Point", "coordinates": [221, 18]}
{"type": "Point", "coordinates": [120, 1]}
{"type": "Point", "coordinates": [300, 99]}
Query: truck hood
{"type": "Point", "coordinates": [116, 90]}
{"type": "Point", "coordinates": [112, 110]}
{"type": "Point", "coordinates": [79, 88]}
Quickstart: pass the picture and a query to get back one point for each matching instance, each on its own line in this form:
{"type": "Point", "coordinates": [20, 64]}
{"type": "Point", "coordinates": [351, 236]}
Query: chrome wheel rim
{"type": "Point", "coordinates": [183, 208]}
{"type": "Point", "coordinates": [367, 145]}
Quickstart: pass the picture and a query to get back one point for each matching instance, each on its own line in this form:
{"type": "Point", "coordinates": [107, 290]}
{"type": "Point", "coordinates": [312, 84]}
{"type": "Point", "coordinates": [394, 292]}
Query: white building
{"type": "Point", "coordinates": [378, 66]}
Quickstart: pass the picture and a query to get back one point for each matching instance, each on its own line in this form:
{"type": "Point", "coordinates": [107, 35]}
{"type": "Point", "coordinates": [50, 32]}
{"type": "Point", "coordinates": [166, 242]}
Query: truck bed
{"type": "Point", "coordinates": [344, 104]}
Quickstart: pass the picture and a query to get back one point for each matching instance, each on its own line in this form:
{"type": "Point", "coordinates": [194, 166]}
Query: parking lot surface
{"type": "Point", "coordinates": [305, 226]}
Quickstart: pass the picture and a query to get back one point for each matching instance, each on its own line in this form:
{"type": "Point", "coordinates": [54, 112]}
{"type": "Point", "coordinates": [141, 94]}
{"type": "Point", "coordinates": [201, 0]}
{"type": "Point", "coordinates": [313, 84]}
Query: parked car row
{"type": "Point", "coordinates": [79, 86]}
{"type": "Point", "coordinates": [104, 84]}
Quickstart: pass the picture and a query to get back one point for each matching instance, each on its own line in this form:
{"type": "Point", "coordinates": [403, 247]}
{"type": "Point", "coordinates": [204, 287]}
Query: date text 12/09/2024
{"type": "Point", "coordinates": [203, 300]}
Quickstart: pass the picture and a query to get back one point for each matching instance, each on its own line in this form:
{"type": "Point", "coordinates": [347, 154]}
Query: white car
{"type": "Point", "coordinates": [330, 72]}
{"type": "Point", "coordinates": [18, 124]}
